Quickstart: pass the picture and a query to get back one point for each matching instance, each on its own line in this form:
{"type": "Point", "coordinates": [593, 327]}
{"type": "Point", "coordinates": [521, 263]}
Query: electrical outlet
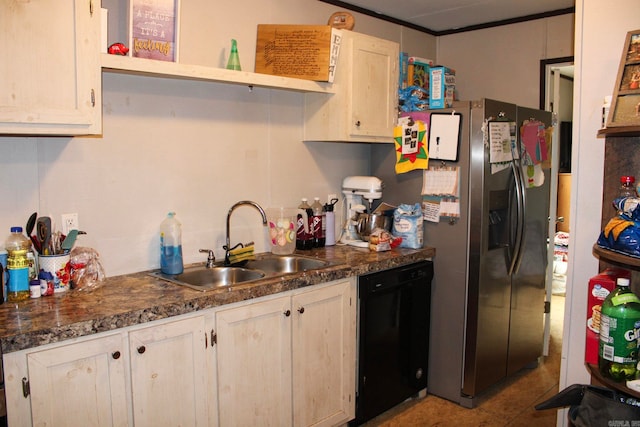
{"type": "Point", "coordinates": [69, 222]}
{"type": "Point", "coordinates": [331, 196]}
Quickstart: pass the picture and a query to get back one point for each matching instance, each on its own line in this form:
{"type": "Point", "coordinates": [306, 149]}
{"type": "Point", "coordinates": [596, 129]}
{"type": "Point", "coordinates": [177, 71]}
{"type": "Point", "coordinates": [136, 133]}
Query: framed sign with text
{"type": "Point", "coordinates": [154, 29]}
{"type": "Point", "coordinates": [625, 103]}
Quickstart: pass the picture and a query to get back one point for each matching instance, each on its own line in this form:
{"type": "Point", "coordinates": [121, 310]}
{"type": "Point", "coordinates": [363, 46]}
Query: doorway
{"type": "Point", "coordinates": [556, 95]}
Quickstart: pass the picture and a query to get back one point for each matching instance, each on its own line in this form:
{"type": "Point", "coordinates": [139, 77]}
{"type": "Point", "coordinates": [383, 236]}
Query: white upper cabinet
{"type": "Point", "coordinates": [50, 67]}
{"type": "Point", "coordinates": [364, 107]}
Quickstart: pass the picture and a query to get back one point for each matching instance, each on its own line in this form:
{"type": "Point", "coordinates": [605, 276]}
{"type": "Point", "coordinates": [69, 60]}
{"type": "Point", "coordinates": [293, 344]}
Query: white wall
{"type": "Point", "coordinates": [601, 28]}
{"type": "Point", "coordinates": [193, 147]}
{"type": "Point", "coordinates": [503, 63]}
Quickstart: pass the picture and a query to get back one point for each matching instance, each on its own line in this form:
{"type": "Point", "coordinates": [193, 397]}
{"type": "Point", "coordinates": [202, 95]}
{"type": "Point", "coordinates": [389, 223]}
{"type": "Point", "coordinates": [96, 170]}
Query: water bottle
{"type": "Point", "coordinates": [304, 239]}
{"type": "Point", "coordinates": [18, 265]}
{"type": "Point", "coordinates": [171, 245]}
{"type": "Point", "coordinates": [619, 327]}
{"type": "Point", "coordinates": [319, 223]}
{"type": "Point", "coordinates": [330, 220]}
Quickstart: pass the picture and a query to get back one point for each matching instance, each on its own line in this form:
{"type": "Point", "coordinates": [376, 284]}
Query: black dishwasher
{"type": "Point", "coordinates": [393, 335]}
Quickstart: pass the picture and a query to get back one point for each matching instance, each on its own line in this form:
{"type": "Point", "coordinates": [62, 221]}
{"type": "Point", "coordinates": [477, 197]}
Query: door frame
{"type": "Point", "coordinates": [550, 101]}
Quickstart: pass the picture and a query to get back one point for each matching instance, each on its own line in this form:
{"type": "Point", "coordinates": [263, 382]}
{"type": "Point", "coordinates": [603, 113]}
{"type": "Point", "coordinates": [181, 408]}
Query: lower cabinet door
{"type": "Point", "coordinates": [168, 381]}
{"type": "Point", "coordinates": [80, 384]}
{"type": "Point", "coordinates": [324, 340]}
{"type": "Point", "coordinates": [254, 364]}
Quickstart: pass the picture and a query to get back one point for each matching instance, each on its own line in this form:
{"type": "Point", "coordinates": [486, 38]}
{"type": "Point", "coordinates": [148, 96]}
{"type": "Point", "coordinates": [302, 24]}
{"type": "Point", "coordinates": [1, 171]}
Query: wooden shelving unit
{"type": "Point", "coordinates": [620, 131]}
{"type": "Point", "coordinates": [611, 257]}
{"type": "Point", "coordinates": [604, 381]}
{"type": "Point", "coordinates": [622, 157]}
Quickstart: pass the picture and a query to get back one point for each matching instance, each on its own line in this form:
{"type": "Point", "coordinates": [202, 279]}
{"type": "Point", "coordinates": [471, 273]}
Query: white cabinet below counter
{"type": "Point", "coordinates": [84, 383]}
{"type": "Point", "coordinates": [290, 359]}
{"type": "Point", "coordinates": [147, 376]}
{"type": "Point", "coordinates": [248, 358]}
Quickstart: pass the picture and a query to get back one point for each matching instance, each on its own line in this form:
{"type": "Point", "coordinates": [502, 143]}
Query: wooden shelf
{"type": "Point", "coordinates": [153, 68]}
{"type": "Point", "coordinates": [617, 258]}
{"type": "Point", "coordinates": [608, 382]}
{"type": "Point", "coordinates": [620, 131]}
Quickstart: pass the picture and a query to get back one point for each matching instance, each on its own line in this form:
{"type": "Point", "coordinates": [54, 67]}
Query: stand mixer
{"type": "Point", "coordinates": [356, 189]}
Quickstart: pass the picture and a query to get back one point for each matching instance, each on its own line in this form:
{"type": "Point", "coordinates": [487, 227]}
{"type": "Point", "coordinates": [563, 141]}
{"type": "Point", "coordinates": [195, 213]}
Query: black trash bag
{"type": "Point", "coordinates": [592, 406]}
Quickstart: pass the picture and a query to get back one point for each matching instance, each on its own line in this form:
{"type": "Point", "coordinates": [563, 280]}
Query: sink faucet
{"type": "Point", "coordinates": [227, 246]}
{"type": "Point", "coordinates": [211, 258]}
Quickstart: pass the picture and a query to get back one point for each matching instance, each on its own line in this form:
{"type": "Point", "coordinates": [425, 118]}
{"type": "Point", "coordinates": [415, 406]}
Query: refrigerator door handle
{"type": "Point", "coordinates": [517, 246]}
{"type": "Point", "coordinates": [521, 218]}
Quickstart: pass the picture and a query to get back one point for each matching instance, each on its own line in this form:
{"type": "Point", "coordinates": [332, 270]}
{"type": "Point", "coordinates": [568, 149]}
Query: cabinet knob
{"type": "Point", "coordinates": [287, 313]}
{"type": "Point", "coordinates": [141, 349]}
{"type": "Point", "coordinates": [301, 310]}
{"type": "Point", "coordinates": [115, 355]}
{"type": "Point", "coordinates": [358, 123]}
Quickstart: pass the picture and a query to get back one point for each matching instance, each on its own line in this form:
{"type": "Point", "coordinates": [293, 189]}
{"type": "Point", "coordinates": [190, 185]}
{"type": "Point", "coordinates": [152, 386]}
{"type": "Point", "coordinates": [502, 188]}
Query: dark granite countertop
{"type": "Point", "coordinates": [138, 298]}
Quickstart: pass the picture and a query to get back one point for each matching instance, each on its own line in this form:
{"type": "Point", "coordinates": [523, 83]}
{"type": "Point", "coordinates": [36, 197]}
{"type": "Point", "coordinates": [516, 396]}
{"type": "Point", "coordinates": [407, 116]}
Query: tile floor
{"type": "Point", "coordinates": [509, 403]}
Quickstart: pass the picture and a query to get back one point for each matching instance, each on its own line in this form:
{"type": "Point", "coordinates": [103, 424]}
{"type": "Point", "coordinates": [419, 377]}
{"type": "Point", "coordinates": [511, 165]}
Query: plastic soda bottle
{"type": "Point", "coordinates": [319, 223]}
{"type": "Point", "coordinates": [627, 187]}
{"type": "Point", "coordinates": [619, 328]}
{"type": "Point", "coordinates": [171, 245]}
{"type": "Point", "coordinates": [304, 239]}
{"type": "Point", "coordinates": [18, 265]}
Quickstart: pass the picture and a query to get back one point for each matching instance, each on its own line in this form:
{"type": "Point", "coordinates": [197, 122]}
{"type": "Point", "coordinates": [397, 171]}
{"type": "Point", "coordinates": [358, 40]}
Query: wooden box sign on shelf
{"type": "Point", "coordinates": [154, 29]}
{"type": "Point", "coordinates": [625, 105]}
{"type": "Point", "coordinates": [307, 52]}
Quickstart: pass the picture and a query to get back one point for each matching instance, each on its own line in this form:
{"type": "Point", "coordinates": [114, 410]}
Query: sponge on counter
{"type": "Point", "coordinates": [241, 254]}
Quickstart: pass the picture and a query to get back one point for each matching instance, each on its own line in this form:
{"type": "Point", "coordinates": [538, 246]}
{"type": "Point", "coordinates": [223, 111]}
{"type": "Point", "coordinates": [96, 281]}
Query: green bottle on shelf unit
{"type": "Point", "coordinates": [619, 329]}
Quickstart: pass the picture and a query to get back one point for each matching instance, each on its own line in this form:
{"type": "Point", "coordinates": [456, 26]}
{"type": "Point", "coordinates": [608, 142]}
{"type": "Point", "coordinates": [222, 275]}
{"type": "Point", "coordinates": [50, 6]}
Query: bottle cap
{"type": "Point", "coordinates": [623, 281]}
{"type": "Point", "coordinates": [329, 206]}
{"type": "Point", "coordinates": [627, 179]}
{"type": "Point", "coordinates": [16, 229]}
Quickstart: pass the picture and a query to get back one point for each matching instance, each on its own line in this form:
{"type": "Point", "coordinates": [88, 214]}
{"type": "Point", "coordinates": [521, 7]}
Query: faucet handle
{"type": "Point", "coordinates": [211, 258]}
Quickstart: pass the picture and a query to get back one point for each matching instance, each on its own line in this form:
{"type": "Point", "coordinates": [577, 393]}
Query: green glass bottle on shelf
{"type": "Point", "coordinates": [619, 327]}
{"type": "Point", "coordinates": [234, 59]}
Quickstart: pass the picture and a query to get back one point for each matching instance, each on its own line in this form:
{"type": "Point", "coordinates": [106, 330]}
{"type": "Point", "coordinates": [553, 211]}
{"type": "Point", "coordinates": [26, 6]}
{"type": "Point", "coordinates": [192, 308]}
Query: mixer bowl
{"type": "Point", "coordinates": [367, 223]}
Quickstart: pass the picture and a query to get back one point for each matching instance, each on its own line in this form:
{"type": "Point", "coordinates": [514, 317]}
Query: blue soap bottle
{"type": "Point", "coordinates": [171, 245]}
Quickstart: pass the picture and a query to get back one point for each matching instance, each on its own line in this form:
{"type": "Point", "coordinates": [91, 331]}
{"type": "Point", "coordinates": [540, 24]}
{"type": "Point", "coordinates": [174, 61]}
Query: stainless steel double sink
{"type": "Point", "coordinates": [220, 276]}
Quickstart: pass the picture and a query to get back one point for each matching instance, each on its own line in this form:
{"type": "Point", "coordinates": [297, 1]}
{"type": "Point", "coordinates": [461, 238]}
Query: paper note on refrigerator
{"type": "Point", "coordinates": [441, 180]}
{"type": "Point", "coordinates": [532, 134]}
{"type": "Point", "coordinates": [502, 139]}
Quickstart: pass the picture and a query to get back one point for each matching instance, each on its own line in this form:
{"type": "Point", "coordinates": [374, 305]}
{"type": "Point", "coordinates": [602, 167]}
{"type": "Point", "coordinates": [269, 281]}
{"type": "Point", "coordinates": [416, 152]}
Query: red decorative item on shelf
{"type": "Point", "coordinates": [118, 49]}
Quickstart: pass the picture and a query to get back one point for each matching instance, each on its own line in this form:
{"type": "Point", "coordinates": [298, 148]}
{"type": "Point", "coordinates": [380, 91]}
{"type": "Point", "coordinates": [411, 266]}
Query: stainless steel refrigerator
{"type": "Point", "coordinates": [486, 322]}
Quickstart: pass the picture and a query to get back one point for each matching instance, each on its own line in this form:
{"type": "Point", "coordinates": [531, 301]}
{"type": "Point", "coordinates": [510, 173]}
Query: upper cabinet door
{"type": "Point", "coordinates": [374, 96]}
{"type": "Point", "coordinates": [50, 67]}
{"type": "Point", "coordinates": [364, 106]}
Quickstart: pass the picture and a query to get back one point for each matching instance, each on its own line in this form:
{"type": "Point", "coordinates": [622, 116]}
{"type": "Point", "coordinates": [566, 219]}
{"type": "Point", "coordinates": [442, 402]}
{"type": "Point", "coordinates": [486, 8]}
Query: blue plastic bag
{"type": "Point", "coordinates": [622, 232]}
